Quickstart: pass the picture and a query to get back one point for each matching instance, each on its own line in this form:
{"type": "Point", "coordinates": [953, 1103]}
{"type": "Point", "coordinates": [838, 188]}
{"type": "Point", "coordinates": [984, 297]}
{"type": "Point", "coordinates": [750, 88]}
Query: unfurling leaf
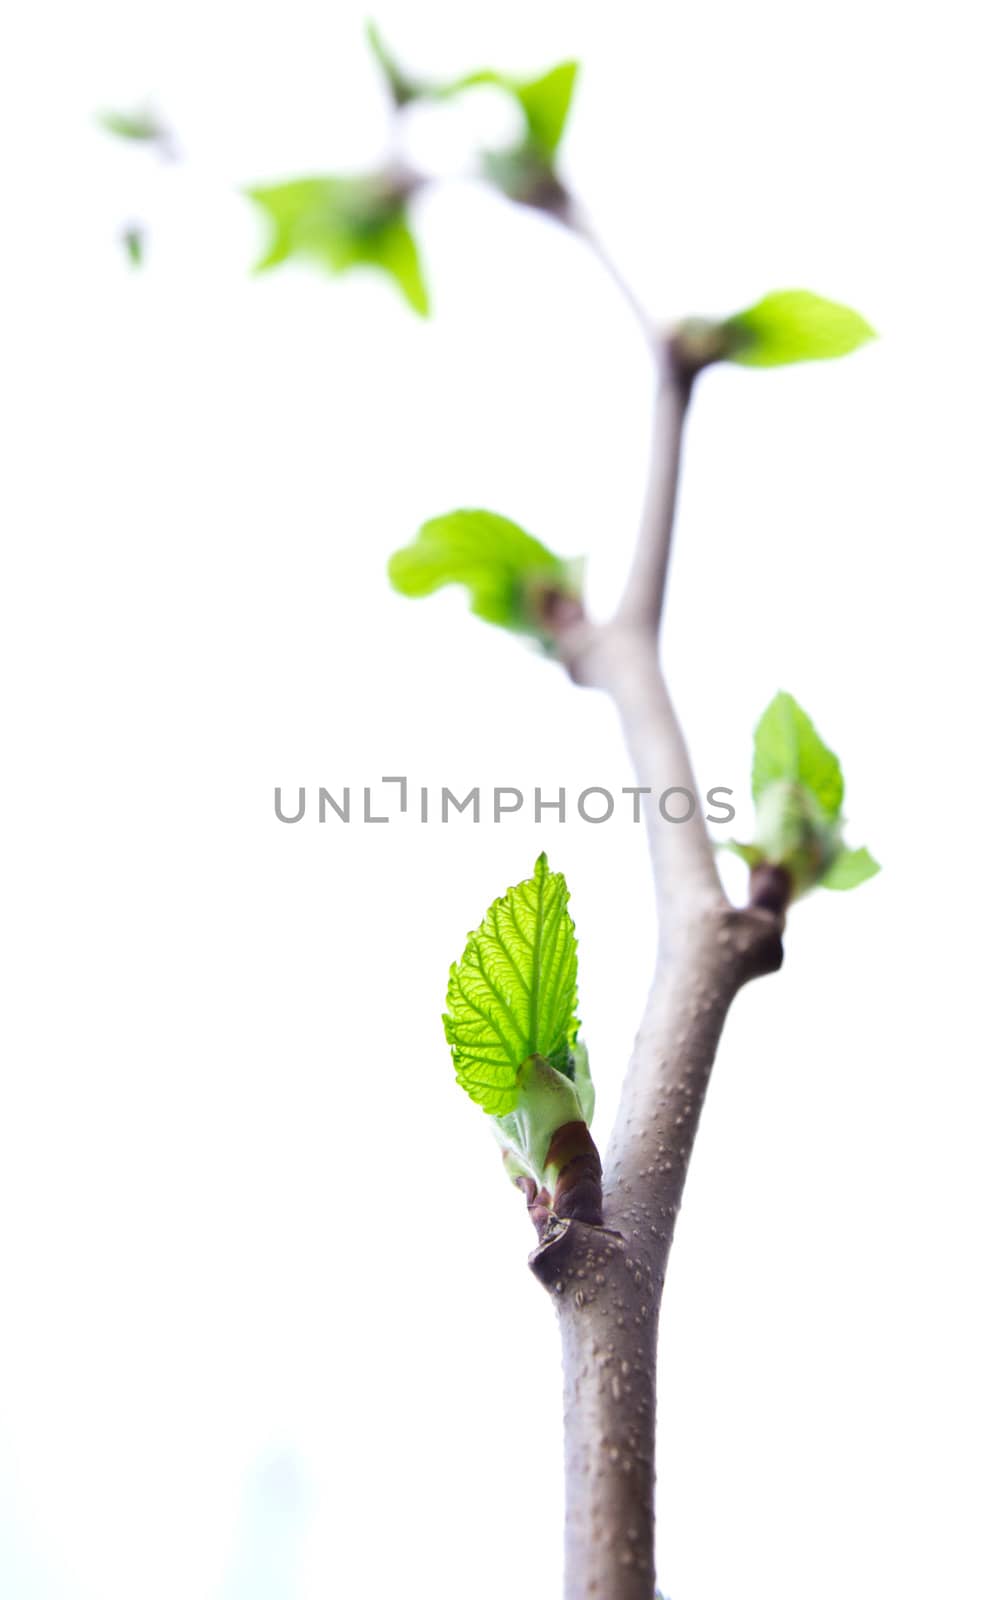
{"type": "Point", "coordinates": [787, 746]}
{"type": "Point", "coordinates": [850, 867]}
{"type": "Point", "coordinates": [512, 579]}
{"type": "Point", "coordinates": [512, 996]}
{"type": "Point", "coordinates": [798, 789]}
{"type": "Point", "coordinates": [547, 1101]}
{"type": "Point", "coordinates": [340, 223]}
{"type": "Point", "coordinates": [791, 831]}
{"type": "Point", "coordinates": [793, 325]}
{"type": "Point", "coordinates": [581, 1073]}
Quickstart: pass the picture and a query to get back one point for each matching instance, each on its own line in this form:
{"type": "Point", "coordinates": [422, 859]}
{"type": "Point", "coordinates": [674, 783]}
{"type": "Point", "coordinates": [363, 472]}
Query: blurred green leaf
{"type": "Point", "coordinates": [402, 87]}
{"type": "Point", "coordinates": [134, 245]}
{"type": "Point", "coordinates": [545, 101]}
{"type": "Point", "coordinates": [521, 173]}
{"type": "Point", "coordinates": [508, 573]}
{"type": "Point", "coordinates": [793, 325]}
{"type": "Point", "coordinates": [788, 746]}
{"type": "Point", "coordinates": [850, 867]}
{"type": "Point", "coordinates": [524, 171]}
{"type": "Point", "coordinates": [141, 126]}
{"type": "Point", "coordinates": [340, 223]}
{"type": "Point", "coordinates": [511, 997]}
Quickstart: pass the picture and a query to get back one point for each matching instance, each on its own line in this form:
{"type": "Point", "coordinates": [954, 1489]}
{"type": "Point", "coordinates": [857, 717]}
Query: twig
{"type": "Point", "coordinates": [568, 210]}
{"type": "Point", "coordinates": [642, 602]}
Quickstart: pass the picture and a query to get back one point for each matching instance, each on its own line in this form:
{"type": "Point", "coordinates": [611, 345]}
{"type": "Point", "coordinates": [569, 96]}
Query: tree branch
{"type": "Point", "coordinates": [606, 1278]}
{"type": "Point", "coordinates": [622, 658]}
{"type": "Point", "coordinates": [607, 1282]}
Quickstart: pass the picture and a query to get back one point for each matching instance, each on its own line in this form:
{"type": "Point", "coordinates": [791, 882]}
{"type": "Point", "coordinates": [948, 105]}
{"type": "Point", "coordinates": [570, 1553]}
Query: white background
{"type": "Point", "coordinates": [267, 1330]}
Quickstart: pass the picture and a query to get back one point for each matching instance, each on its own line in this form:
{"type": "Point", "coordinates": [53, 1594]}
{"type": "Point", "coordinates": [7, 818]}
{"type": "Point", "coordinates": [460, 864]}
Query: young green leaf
{"type": "Point", "coordinates": [546, 104]}
{"type": "Point", "coordinates": [508, 573]}
{"type": "Point", "coordinates": [793, 325]}
{"type": "Point", "coordinates": [850, 867]}
{"type": "Point", "coordinates": [791, 831]}
{"type": "Point", "coordinates": [340, 223]}
{"type": "Point", "coordinates": [788, 747]}
{"type": "Point", "coordinates": [798, 788]}
{"type": "Point", "coordinates": [512, 995]}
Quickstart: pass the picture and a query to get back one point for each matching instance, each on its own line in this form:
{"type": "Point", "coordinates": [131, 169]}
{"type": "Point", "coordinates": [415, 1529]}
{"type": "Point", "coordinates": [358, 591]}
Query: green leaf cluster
{"type": "Point", "coordinates": [798, 788]}
{"type": "Point", "coordinates": [511, 1020]}
{"type": "Point", "coordinates": [525, 171]}
{"type": "Point", "coordinates": [511, 577]}
{"type": "Point", "coordinates": [784, 327]}
{"type": "Point", "coordinates": [339, 223]}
